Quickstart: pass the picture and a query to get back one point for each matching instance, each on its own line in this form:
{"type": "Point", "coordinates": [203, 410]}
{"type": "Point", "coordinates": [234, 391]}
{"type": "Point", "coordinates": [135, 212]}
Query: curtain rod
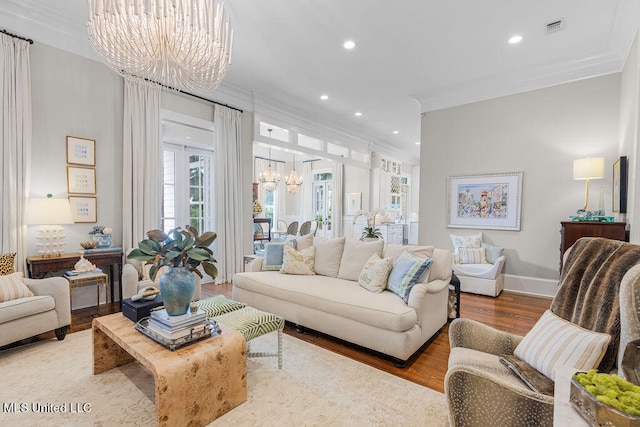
{"type": "Point", "coordinates": [312, 160]}
{"type": "Point", "coordinates": [194, 95]}
{"type": "Point", "coordinates": [16, 36]}
{"type": "Point", "coordinates": [271, 160]}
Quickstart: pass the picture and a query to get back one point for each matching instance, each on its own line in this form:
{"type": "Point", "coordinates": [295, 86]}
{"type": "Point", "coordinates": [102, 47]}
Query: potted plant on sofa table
{"type": "Point", "coordinates": [182, 251]}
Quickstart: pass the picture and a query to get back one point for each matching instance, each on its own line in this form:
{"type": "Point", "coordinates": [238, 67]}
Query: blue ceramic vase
{"type": "Point", "coordinates": [176, 288]}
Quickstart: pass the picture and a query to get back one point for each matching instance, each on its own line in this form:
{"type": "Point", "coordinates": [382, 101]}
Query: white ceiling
{"type": "Point", "coordinates": [411, 56]}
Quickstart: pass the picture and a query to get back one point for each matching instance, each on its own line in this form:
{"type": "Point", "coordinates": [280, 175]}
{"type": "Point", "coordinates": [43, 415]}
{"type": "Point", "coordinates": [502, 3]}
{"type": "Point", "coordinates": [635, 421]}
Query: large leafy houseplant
{"type": "Point", "coordinates": [178, 248]}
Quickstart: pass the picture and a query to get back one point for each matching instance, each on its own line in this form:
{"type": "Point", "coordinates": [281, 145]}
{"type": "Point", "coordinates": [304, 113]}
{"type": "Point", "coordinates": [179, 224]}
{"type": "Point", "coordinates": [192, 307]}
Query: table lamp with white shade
{"type": "Point", "coordinates": [588, 169]}
{"type": "Point", "coordinates": [49, 213]}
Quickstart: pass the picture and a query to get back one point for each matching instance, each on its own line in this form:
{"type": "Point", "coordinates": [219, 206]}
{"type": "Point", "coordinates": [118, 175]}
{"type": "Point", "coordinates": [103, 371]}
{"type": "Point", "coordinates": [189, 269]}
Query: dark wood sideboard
{"type": "Point", "coordinates": [571, 231]}
{"type": "Point", "coordinates": [39, 266]}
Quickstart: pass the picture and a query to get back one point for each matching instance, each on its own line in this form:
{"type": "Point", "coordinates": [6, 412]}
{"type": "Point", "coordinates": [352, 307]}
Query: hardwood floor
{"type": "Point", "coordinates": [511, 312]}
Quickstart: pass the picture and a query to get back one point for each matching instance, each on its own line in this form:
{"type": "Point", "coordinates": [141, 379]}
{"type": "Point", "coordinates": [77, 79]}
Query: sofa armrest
{"type": "Point", "coordinates": [421, 292]}
{"type": "Point", "coordinates": [255, 264]}
{"type": "Point", "coordinates": [129, 281]}
{"type": "Point", "coordinates": [58, 288]}
{"type": "Point", "coordinates": [477, 336]}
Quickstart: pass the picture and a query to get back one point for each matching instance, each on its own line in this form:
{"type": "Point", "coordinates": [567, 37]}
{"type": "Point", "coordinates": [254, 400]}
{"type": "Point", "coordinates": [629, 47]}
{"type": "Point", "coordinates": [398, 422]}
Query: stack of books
{"type": "Point", "coordinates": [175, 327]}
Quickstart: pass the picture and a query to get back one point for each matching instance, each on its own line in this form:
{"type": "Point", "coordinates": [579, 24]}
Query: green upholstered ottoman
{"type": "Point", "coordinates": [218, 305]}
{"type": "Point", "coordinates": [252, 323]}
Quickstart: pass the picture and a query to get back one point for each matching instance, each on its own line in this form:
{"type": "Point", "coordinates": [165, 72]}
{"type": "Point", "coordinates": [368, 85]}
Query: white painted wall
{"type": "Point", "coordinates": [539, 132]}
{"type": "Point", "coordinates": [629, 136]}
{"type": "Point", "coordinates": [72, 95]}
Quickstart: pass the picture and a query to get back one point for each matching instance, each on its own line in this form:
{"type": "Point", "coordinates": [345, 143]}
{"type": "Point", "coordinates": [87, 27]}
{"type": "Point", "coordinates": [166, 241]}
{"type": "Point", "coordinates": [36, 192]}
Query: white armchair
{"type": "Point", "coordinates": [134, 278]}
{"type": "Point", "coordinates": [483, 279]}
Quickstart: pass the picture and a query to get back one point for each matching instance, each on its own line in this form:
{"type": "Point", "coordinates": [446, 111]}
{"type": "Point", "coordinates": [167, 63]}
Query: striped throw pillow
{"type": "Point", "coordinates": [554, 341]}
{"type": "Point", "coordinates": [471, 255]}
{"type": "Point", "coordinates": [12, 287]}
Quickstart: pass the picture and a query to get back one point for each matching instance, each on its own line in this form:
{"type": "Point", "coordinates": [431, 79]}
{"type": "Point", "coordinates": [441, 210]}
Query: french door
{"type": "Point", "coordinates": [322, 200]}
{"type": "Point", "coordinates": [187, 188]}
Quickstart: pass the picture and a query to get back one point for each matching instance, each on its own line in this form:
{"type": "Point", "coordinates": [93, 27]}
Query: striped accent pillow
{"type": "Point", "coordinates": [554, 341]}
{"type": "Point", "coordinates": [472, 255]}
{"type": "Point", "coordinates": [407, 270]}
{"type": "Point", "coordinates": [12, 287]}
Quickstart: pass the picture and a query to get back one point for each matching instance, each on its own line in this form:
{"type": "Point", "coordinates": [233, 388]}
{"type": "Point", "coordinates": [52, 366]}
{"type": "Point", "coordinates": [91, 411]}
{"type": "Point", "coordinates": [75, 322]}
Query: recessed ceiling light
{"type": "Point", "coordinates": [358, 114]}
{"type": "Point", "coordinates": [349, 44]}
{"type": "Point", "coordinates": [418, 143]}
{"type": "Point", "coordinates": [324, 97]}
{"type": "Point", "coordinates": [395, 132]}
{"type": "Point", "coordinates": [515, 39]}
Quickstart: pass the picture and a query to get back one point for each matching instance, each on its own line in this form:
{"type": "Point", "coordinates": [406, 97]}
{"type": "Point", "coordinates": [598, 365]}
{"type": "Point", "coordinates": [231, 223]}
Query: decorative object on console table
{"type": "Point", "coordinates": [101, 235]}
{"type": "Point", "coordinates": [183, 253]}
{"type": "Point", "coordinates": [620, 183]}
{"type": "Point", "coordinates": [45, 212]}
{"type": "Point", "coordinates": [489, 201]}
{"type": "Point", "coordinates": [571, 231]}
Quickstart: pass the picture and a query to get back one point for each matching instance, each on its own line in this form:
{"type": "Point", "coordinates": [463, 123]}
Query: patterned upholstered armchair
{"type": "Point", "coordinates": [482, 391]}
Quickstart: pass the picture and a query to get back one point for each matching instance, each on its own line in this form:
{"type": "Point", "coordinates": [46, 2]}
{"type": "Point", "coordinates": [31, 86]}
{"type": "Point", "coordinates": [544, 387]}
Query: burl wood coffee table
{"type": "Point", "coordinates": [194, 384]}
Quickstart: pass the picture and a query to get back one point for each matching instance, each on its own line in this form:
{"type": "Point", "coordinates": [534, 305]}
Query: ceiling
{"type": "Point", "coordinates": [411, 56]}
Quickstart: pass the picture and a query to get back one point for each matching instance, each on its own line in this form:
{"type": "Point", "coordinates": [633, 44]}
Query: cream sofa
{"type": "Point", "coordinates": [48, 309]}
{"type": "Point", "coordinates": [340, 307]}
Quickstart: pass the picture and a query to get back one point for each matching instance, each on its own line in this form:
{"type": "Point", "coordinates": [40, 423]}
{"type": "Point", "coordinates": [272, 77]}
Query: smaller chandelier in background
{"type": "Point", "coordinates": [293, 181]}
{"type": "Point", "coordinates": [179, 44]}
{"type": "Point", "coordinates": [268, 178]}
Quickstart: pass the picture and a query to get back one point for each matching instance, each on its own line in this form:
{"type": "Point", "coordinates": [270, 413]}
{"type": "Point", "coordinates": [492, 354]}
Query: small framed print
{"type": "Point", "coordinates": [81, 151]}
{"type": "Point", "coordinates": [84, 209]}
{"type": "Point", "coordinates": [81, 180]}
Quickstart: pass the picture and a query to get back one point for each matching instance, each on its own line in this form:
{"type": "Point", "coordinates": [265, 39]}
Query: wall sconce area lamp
{"type": "Point", "coordinates": [588, 169]}
{"type": "Point", "coordinates": [49, 213]}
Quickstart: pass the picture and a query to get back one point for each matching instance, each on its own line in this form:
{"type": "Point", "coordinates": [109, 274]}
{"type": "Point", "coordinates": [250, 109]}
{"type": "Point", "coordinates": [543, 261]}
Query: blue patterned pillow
{"type": "Point", "coordinates": [406, 272]}
{"type": "Point", "coordinates": [273, 255]}
{"type": "Point", "coordinates": [493, 252]}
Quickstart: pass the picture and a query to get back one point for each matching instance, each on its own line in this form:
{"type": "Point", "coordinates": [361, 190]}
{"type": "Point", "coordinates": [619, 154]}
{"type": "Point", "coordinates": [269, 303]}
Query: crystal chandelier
{"type": "Point", "coordinates": [179, 44]}
{"type": "Point", "coordinates": [293, 181]}
{"type": "Point", "coordinates": [268, 178]}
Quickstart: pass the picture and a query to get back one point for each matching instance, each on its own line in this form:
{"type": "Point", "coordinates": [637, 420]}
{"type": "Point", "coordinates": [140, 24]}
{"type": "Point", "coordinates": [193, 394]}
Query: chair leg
{"type": "Point", "coordinates": [279, 348]}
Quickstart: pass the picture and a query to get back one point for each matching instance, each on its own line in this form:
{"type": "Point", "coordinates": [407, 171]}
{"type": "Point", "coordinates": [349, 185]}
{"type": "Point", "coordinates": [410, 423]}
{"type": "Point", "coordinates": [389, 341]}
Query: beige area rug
{"type": "Point", "coordinates": [315, 388]}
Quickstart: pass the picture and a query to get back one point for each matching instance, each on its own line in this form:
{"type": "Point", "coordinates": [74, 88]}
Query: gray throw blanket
{"type": "Point", "coordinates": [589, 288]}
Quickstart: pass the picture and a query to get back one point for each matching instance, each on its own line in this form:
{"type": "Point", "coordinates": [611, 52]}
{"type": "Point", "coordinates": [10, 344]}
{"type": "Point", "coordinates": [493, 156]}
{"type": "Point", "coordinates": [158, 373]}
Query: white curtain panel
{"type": "Point", "coordinates": [306, 192]}
{"type": "Point", "coordinates": [229, 252]}
{"type": "Point", "coordinates": [281, 192]}
{"type": "Point", "coordinates": [336, 216]}
{"type": "Point", "coordinates": [15, 110]}
{"type": "Point", "coordinates": [142, 163]}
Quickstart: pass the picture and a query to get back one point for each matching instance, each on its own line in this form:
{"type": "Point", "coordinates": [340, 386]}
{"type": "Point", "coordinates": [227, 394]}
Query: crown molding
{"type": "Point", "coordinates": [45, 24]}
{"type": "Point", "coordinates": [520, 81]}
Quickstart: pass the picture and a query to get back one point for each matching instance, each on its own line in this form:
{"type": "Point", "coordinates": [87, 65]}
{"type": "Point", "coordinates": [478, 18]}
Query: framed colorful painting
{"type": "Point", "coordinates": [490, 201]}
{"type": "Point", "coordinates": [81, 151]}
{"type": "Point", "coordinates": [81, 180]}
{"type": "Point", "coordinates": [83, 209]}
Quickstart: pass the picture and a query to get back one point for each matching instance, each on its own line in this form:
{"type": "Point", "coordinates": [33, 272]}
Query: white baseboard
{"type": "Point", "coordinates": [530, 285]}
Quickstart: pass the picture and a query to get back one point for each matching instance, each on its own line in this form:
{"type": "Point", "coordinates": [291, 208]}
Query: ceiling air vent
{"type": "Point", "coordinates": [554, 27]}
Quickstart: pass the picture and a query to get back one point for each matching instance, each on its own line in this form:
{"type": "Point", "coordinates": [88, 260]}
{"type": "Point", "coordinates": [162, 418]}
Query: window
{"type": "Point", "coordinates": [187, 185]}
{"type": "Point", "coordinates": [270, 205]}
